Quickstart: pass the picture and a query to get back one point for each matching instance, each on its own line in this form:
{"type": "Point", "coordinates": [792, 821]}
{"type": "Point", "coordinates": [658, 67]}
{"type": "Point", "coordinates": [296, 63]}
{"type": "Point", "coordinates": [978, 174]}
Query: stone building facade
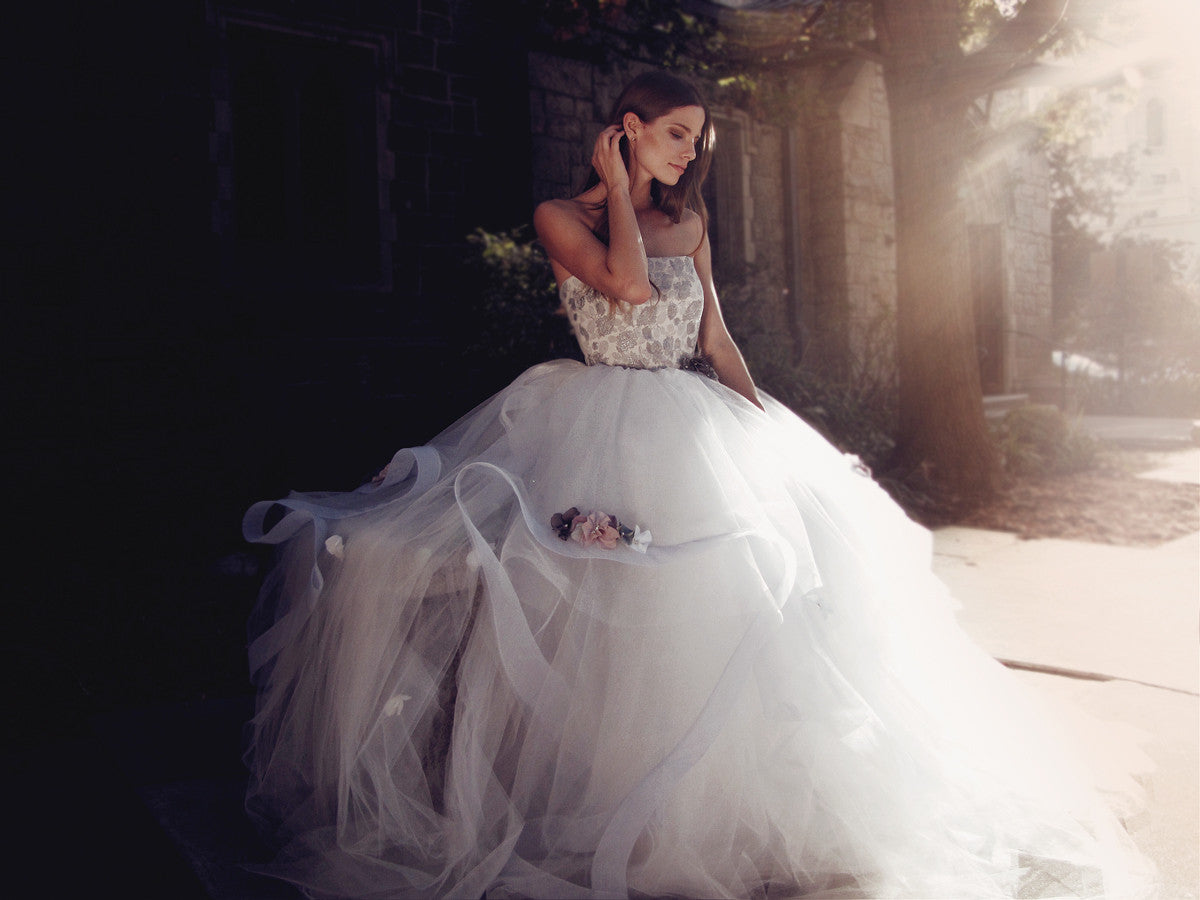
{"type": "Point", "coordinates": [1012, 269]}
{"type": "Point", "coordinates": [848, 219]}
{"type": "Point", "coordinates": [241, 243]}
{"type": "Point", "coordinates": [1029, 277]}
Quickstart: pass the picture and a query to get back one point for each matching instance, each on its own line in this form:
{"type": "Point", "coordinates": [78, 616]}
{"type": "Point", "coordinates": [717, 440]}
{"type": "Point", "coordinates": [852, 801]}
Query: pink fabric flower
{"type": "Point", "coordinates": [596, 528]}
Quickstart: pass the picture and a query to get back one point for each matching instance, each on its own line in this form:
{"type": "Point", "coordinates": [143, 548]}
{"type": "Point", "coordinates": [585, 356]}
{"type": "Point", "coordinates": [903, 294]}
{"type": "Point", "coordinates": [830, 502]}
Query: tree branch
{"type": "Point", "coordinates": [1016, 43]}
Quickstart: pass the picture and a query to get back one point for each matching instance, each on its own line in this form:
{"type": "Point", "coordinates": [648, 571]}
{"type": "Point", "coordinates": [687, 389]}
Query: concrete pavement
{"type": "Point", "coordinates": [1144, 431]}
{"type": "Point", "coordinates": [1113, 632]}
{"type": "Point", "coordinates": [1122, 612]}
{"type": "Point", "coordinates": [1182, 466]}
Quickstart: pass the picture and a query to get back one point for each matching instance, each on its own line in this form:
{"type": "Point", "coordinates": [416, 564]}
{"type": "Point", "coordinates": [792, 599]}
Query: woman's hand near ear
{"type": "Point", "coordinates": [607, 160]}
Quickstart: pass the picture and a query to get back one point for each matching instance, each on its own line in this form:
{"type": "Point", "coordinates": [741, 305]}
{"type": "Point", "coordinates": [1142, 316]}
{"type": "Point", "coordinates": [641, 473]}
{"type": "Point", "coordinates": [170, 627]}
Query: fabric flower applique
{"type": "Point", "coordinates": [598, 528]}
{"type": "Point", "coordinates": [637, 539]}
{"type": "Point", "coordinates": [335, 546]}
{"type": "Point", "coordinates": [395, 704]}
{"type": "Point", "coordinates": [700, 364]}
{"type": "Point", "coordinates": [563, 522]}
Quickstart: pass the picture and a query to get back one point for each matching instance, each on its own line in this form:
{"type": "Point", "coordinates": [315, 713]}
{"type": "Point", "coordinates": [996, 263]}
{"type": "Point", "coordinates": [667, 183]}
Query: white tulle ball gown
{"type": "Point", "coordinates": [764, 696]}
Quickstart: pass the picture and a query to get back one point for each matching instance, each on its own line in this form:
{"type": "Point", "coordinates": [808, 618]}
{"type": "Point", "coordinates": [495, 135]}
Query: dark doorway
{"type": "Point", "coordinates": [987, 292]}
{"type": "Point", "coordinates": [305, 163]}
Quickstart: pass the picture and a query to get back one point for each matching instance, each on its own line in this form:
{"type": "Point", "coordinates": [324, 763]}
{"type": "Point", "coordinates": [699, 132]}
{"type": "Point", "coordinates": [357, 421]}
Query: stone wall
{"type": "Point", "coordinates": [1009, 195]}
{"type": "Point", "coordinates": [565, 113]}
{"type": "Point", "coordinates": [134, 340]}
{"type": "Point", "coordinates": [440, 112]}
{"type": "Point", "coordinates": [1030, 273]}
{"type": "Point", "coordinates": [849, 220]}
{"type": "Point", "coordinates": [766, 249]}
{"type": "Point", "coordinates": [450, 126]}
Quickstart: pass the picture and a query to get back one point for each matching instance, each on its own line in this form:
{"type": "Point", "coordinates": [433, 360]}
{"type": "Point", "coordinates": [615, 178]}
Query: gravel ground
{"type": "Point", "coordinates": [1107, 505]}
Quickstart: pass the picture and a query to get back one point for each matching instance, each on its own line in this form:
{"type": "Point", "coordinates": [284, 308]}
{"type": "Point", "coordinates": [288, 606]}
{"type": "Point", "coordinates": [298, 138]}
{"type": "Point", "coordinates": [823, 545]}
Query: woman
{"type": "Point", "coordinates": [625, 629]}
{"type": "Point", "coordinates": [644, 198]}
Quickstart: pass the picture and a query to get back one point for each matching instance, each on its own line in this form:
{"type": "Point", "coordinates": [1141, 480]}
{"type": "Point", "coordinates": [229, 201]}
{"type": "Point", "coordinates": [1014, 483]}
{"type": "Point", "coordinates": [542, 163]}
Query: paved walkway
{"type": "Point", "coordinates": [1144, 431]}
{"type": "Point", "coordinates": [1182, 466]}
{"type": "Point", "coordinates": [1120, 627]}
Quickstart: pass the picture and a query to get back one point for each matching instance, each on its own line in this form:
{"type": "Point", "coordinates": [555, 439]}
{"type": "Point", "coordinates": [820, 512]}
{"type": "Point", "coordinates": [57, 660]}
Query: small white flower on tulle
{"type": "Point", "coordinates": [640, 540]}
{"type": "Point", "coordinates": [472, 559]}
{"type": "Point", "coordinates": [395, 704]}
{"type": "Point", "coordinates": [422, 556]}
{"type": "Point", "coordinates": [857, 465]}
{"type": "Point", "coordinates": [336, 546]}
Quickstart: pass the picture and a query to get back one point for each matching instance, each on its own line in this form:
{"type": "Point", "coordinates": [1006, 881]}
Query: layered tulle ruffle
{"type": "Point", "coordinates": [772, 700]}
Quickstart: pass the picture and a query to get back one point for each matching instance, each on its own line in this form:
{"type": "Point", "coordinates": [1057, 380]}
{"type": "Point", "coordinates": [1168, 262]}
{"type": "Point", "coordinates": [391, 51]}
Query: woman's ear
{"type": "Point", "coordinates": [632, 125]}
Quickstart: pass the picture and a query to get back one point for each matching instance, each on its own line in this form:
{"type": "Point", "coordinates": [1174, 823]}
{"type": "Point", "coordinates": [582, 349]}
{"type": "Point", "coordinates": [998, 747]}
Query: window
{"type": "Point", "coordinates": [988, 295]}
{"type": "Point", "coordinates": [305, 202]}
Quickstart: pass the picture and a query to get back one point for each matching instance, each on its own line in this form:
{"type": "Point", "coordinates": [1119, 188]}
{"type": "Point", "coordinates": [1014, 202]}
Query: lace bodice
{"type": "Point", "coordinates": [656, 335]}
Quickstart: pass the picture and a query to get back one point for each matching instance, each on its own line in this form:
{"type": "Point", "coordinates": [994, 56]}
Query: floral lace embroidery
{"type": "Point", "coordinates": [655, 335]}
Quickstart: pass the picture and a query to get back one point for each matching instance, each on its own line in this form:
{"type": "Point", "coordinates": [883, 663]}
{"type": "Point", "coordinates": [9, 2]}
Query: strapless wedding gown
{"type": "Point", "coordinates": [755, 688]}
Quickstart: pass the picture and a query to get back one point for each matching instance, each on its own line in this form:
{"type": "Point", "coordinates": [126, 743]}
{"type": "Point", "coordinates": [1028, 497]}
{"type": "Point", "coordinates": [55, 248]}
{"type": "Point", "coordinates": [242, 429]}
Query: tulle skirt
{"type": "Point", "coordinates": [772, 700]}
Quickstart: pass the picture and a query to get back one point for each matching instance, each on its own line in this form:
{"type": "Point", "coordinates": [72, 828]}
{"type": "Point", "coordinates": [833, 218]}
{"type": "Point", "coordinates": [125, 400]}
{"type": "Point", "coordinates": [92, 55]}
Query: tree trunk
{"type": "Point", "coordinates": [942, 432]}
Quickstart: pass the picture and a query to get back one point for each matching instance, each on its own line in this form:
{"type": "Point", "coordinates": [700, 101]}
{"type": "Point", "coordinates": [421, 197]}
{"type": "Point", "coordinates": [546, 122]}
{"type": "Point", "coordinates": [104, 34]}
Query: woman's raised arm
{"type": "Point", "coordinates": [618, 270]}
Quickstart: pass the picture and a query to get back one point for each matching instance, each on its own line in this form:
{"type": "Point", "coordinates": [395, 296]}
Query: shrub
{"type": "Point", "coordinates": [518, 320]}
{"type": "Point", "coordinates": [855, 411]}
{"type": "Point", "coordinates": [1167, 393]}
{"type": "Point", "coordinates": [1038, 439]}
{"type": "Point", "coordinates": [855, 418]}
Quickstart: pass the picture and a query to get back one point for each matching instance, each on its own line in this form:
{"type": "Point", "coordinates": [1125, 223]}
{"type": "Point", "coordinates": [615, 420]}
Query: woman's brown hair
{"type": "Point", "coordinates": [648, 96]}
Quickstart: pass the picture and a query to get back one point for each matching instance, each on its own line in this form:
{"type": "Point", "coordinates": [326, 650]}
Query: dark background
{"type": "Point", "coordinates": [187, 331]}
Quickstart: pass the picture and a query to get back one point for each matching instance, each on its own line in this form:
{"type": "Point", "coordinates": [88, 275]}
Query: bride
{"type": "Point", "coordinates": [631, 628]}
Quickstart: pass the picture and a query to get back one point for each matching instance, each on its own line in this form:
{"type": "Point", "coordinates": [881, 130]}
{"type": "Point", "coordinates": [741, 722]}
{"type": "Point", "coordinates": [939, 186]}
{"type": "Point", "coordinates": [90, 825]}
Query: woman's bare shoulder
{"type": "Point", "coordinates": [558, 206]}
{"type": "Point", "coordinates": [692, 228]}
{"type": "Point", "coordinates": [562, 213]}
{"type": "Point", "coordinates": [565, 228]}
{"type": "Point", "coordinates": [583, 207]}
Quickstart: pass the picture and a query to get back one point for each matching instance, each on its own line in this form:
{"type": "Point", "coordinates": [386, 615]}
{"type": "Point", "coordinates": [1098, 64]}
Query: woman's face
{"type": "Point", "coordinates": [665, 146]}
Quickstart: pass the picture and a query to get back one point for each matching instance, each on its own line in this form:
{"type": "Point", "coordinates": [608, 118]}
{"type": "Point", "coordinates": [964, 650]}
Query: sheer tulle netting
{"type": "Point", "coordinates": [772, 701]}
